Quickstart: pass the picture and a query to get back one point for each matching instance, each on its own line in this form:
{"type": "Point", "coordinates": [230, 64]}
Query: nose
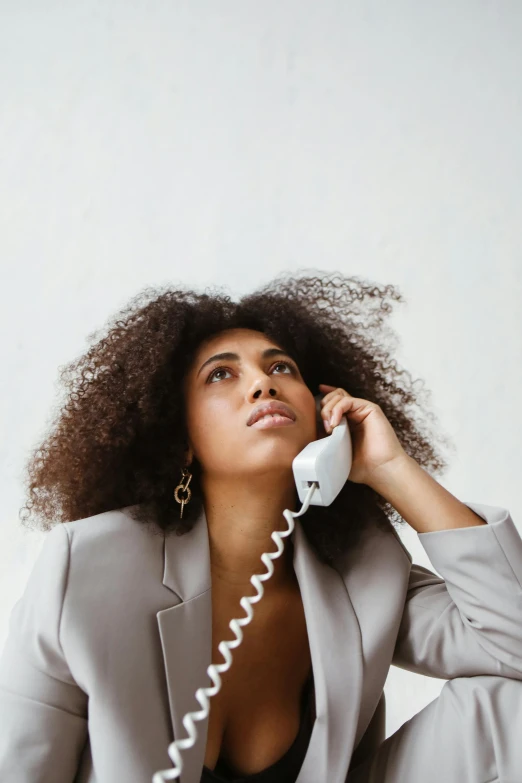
{"type": "Point", "coordinates": [259, 392]}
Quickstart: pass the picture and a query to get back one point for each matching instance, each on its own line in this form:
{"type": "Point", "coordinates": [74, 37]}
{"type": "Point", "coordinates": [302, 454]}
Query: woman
{"type": "Point", "coordinates": [137, 583]}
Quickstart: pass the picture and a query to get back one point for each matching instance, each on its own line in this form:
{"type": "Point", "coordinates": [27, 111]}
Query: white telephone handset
{"type": "Point", "coordinates": [320, 470]}
{"type": "Point", "coordinates": [326, 462]}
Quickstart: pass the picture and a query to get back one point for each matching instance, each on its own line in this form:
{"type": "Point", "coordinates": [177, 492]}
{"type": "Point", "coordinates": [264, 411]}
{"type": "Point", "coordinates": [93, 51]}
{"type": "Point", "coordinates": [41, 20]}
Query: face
{"type": "Point", "coordinates": [221, 395]}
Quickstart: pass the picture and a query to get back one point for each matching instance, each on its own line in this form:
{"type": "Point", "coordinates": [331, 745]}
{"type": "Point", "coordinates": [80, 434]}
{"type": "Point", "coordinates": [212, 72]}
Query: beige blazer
{"type": "Point", "coordinates": [112, 638]}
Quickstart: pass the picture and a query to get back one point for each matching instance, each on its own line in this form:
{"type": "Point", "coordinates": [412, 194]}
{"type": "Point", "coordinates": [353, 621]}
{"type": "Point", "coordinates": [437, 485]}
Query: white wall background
{"type": "Point", "coordinates": [222, 141]}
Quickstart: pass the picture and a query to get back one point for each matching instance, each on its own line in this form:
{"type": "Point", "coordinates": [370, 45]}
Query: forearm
{"type": "Point", "coordinates": [419, 499]}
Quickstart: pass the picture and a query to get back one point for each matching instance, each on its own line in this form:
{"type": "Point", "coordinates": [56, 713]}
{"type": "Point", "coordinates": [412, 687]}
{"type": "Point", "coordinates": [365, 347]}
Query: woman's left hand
{"type": "Point", "coordinates": [374, 442]}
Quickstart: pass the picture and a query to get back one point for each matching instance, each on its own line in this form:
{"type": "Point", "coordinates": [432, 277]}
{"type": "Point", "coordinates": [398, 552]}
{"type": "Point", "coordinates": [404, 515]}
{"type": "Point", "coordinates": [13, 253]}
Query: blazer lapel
{"type": "Point", "coordinates": [336, 650]}
{"type": "Point", "coordinates": [186, 637]}
{"type": "Point", "coordinates": [335, 645]}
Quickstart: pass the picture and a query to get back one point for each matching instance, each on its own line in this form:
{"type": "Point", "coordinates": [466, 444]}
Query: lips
{"type": "Point", "coordinates": [270, 407]}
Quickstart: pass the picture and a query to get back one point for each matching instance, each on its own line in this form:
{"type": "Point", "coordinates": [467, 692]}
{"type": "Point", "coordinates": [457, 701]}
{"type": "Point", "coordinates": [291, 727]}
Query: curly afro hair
{"type": "Point", "coordinates": [120, 438]}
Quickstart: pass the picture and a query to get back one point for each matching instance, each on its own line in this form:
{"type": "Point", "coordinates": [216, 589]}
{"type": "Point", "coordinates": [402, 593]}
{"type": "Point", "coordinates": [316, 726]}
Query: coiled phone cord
{"type": "Point", "coordinates": [224, 648]}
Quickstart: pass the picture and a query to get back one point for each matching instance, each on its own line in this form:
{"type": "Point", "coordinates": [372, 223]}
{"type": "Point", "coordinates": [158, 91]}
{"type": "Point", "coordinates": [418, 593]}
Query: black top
{"type": "Point", "coordinates": [287, 768]}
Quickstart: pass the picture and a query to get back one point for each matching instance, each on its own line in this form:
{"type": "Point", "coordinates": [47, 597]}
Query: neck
{"type": "Point", "coordinates": [241, 517]}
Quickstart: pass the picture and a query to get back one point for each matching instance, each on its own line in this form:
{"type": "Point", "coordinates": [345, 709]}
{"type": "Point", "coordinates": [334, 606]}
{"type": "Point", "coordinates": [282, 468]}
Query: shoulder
{"type": "Point", "coordinates": [114, 570]}
{"type": "Point", "coordinates": [110, 528]}
{"type": "Point", "coordinates": [111, 547]}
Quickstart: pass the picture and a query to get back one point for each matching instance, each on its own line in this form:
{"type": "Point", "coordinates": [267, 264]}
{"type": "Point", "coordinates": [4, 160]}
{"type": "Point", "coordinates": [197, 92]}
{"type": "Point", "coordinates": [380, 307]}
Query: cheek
{"type": "Point", "coordinates": [212, 431]}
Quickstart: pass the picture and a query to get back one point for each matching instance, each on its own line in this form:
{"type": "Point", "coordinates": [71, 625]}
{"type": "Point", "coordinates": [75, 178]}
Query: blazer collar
{"type": "Point", "coordinates": [335, 645]}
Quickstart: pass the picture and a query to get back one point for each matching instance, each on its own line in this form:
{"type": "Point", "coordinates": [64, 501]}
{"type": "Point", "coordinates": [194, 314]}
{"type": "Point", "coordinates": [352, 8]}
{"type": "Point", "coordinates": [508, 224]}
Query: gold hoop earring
{"type": "Point", "coordinates": [183, 488]}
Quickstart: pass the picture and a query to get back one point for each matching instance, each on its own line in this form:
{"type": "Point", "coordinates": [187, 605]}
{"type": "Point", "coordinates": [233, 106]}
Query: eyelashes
{"type": "Point", "coordinates": [289, 364]}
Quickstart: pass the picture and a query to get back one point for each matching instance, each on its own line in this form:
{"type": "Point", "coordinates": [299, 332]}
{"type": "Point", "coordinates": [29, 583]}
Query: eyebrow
{"type": "Point", "coordinates": [268, 353]}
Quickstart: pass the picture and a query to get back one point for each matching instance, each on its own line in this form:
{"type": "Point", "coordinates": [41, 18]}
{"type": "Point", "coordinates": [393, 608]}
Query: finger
{"type": "Point", "coordinates": [337, 392]}
{"type": "Point", "coordinates": [326, 410]}
{"type": "Point", "coordinates": [337, 411]}
{"type": "Point", "coordinates": [341, 407]}
{"type": "Point", "coordinates": [327, 390]}
{"type": "Point", "coordinates": [333, 390]}
{"type": "Point", "coordinates": [332, 399]}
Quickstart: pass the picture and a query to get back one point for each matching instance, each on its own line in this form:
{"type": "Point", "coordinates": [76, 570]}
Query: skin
{"type": "Point", "coordinates": [247, 478]}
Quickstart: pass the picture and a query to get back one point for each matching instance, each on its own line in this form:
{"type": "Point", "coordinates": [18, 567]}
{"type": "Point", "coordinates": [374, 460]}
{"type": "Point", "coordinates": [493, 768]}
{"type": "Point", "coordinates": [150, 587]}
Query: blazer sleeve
{"type": "Point", "coordinates": [470, 621]}
{"type": "Point", "coordinates": [43, 712]}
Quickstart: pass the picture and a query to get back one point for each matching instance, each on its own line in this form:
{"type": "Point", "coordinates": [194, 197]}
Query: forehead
{"type": "Point", "coordinates": [247, 338]}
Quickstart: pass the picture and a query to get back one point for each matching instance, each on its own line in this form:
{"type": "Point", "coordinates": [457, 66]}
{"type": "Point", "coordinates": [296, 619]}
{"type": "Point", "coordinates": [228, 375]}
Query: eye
{"type": "Point", "coordinates": [292, 367]}
{"type": "Point", "coordinates": [218, 369]}
{"type": "Point", "coordinates": [286, 364]}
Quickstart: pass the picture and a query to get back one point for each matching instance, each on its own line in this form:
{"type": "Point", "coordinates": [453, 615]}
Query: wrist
{"type": "Point", "coordinates": [391, 473]}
